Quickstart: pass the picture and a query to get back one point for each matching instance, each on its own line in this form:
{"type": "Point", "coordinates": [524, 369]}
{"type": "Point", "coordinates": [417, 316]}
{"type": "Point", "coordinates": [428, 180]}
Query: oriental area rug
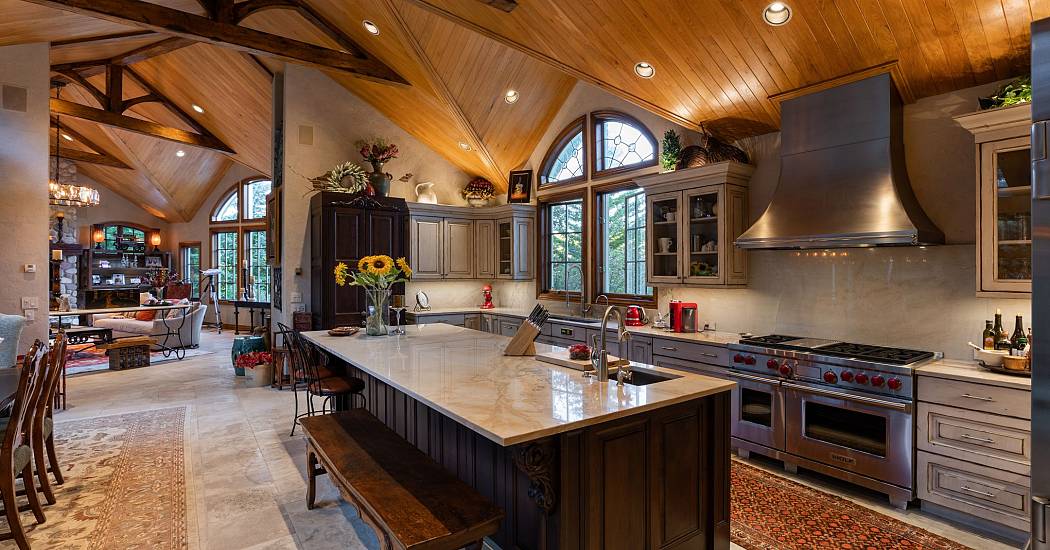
{"type": "Point", "coordinates": [769, 512]}
{"type": "Point", "coordinates": [125, 484]}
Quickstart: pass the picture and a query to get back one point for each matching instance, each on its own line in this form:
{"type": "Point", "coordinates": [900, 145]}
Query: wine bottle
{"type": "Point", "coordinates": [989, 336]}
{"type": "Point", "coordinates": [1018, 340]}
{"type": "Point", "coordinates": [1002, 339]}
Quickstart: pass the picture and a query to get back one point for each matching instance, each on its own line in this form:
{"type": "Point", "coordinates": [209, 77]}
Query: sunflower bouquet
{"type": "Point", "coordinates": [374, 273]}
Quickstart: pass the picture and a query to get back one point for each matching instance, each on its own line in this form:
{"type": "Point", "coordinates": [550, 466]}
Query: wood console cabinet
{"type": "Point", "coordinates": [455, 242]}
{"type": "Point", "coordinates": [1004, 199]}
{"type": "Point", "coordinates": [694, 217]}
{"type": "Point", "coordinates": [345, 228]}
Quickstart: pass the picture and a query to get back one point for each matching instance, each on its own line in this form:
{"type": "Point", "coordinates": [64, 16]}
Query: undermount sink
{"type": "Point", "coordinates": [644, 378]}
{"type": "Point", "coordinates": [571, 319]}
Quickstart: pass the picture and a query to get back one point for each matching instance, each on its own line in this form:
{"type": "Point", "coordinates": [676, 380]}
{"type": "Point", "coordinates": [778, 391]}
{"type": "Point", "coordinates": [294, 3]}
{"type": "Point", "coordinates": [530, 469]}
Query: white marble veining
{"type": "Point", "coordinates": [464, 374]}
{"type": "Point", "coordinates": [969, 371]}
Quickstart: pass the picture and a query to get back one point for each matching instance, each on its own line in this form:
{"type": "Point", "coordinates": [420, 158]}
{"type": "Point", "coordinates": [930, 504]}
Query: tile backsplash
{"type": "Point", "coordinates": [518, 294]}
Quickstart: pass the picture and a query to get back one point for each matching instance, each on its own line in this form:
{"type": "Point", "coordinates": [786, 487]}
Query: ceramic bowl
{"type": "Point", "coordinates": [992, 358]}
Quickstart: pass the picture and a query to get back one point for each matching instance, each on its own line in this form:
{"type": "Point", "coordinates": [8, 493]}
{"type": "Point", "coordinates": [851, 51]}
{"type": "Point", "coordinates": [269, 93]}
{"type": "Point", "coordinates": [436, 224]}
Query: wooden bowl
{"type": "Point", "coordinates": [1013, 362]}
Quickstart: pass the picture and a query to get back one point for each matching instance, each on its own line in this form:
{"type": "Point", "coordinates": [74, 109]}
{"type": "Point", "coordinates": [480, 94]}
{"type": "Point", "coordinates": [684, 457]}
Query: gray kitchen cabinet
{"type": "Point", "coordinates": [515, 250]}
{"type": "Point", "coordinates": [485, 249]}
{"type": "Point", "coordinates": [472, 321]}
{"type": "Point", "coordinates": [566, 331]}
{"type": "Point", "coordinates": [458, 243]}
{"type": "Point", "coordinates": [489, 323]}
{"type": "Point", "coordinates": [508, 327]}
{"type": "Point", "coordinates": [426, 236]}
{"type": "Point", "coordinates": [641, 349]}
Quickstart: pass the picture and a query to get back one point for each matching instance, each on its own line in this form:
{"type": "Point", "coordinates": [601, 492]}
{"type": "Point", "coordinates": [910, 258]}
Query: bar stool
{"type": "Point", "coordinates": [310, 370]}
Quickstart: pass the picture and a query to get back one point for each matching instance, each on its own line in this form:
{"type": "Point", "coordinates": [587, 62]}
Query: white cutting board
{"type": "Point", "coordinates": [560, 357]}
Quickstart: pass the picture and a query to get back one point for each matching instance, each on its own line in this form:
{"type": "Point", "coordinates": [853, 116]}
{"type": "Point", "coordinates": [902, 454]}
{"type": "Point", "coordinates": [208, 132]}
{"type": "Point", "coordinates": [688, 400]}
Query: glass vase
{"type": "Point", "coordinates": [377, 302]}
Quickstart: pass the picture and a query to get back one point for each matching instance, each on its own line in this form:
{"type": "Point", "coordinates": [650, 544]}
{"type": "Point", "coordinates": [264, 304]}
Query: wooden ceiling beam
{"type": "Point", "coordinates": [99, 155]}
{"type": "Point", "coordinates": [137, 125]}
{"type": "Point", "coordinates": [94, 67]}
{"type": "Point", "coordinates": [101, 38]}
{"type": "Point", "coordinates": [502, 5]}
{"type": "Point", "coordinates": [471, 136]}
{"type": "Point", "coordinates": [203, 29]}
{"type": "Point", "coordinates": [171, 105]}
{"type": "Point", "coordinates": [72, 76]}
{"type": "Point", "coordinates": [243, 10]}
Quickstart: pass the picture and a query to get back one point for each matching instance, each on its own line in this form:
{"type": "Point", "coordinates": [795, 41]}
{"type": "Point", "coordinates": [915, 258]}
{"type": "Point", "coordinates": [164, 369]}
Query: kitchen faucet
{"type": "Point", "coordinates": [600, 358]}
{"type": "Point", "coordinates": [583, 289]}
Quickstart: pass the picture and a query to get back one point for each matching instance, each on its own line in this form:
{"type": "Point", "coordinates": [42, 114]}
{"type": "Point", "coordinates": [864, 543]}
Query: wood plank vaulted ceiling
{"type": "Point", "coordinates": [717, 67]}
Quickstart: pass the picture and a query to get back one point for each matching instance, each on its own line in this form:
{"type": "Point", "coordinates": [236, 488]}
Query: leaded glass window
{"type": "Point", "coordinates": [566, 161]}
{"type": "Point", "coordinates": [621, 142]}
{"type": "Point", "coordinates": [227, 211]}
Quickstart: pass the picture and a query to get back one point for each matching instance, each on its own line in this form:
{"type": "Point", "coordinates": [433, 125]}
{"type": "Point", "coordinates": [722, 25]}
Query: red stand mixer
{"type": "Point", "coordinates": [486, 292]}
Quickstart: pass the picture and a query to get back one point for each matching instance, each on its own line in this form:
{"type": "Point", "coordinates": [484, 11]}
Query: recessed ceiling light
{"type": "Point", "coordinates": [198, 108]}
{"type": "Point", "coordinates": [511, 96]}
{"type": "Point", "coordinates": [777, 14]}
{"type": "Point", "coordinates": [180, 153]}
{"type": "Point", "coordinates": [644, 69]}
{"type": "Point", "coordinates": [464, 145]}
{"type": "Point", "coordinates": [371, 27]}
{"type": "Point", "coordinates": [67, 137]}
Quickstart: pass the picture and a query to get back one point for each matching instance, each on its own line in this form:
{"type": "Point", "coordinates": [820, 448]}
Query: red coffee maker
{"type": "Point", "coordinates": [683, 316]}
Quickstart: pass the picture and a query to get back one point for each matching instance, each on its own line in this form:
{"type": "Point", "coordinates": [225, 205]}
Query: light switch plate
{"type": "Point", "coordinates": [29, 268]}
{"type": "Point", "coordinates": [29, 314]}
{"type": "Point", "coordinates": [297, 297]}
{"type": "Point", "coordinates": [30, 302]}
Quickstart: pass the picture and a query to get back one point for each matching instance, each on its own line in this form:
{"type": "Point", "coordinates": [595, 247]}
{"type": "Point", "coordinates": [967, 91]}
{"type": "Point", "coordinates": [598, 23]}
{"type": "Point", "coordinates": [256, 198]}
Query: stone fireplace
{"type": "Point", "coordinates": [70, 232]}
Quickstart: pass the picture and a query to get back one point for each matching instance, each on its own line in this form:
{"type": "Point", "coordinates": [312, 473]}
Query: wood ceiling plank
{"type": "Point", "coordinates": [974, 40]}
{"type": "Point", "coordinates": [1018, 21]}
{"type": "Point", "coordinates": [932, 48]}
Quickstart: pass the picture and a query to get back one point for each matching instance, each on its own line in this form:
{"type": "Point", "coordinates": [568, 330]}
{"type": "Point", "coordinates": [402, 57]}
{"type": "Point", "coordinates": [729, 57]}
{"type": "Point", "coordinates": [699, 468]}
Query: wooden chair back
{"type": "Point", "coordinates": [26, 397]}
{"type": "Point", "coordinates": [51, 377]}
{"type": "Point", "coordinates": [308, 359]}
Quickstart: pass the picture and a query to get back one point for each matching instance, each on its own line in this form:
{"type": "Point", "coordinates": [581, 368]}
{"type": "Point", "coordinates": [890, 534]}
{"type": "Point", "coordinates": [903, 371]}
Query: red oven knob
{"type": "Point", "coordinates": [772, 364]}
{"type": "Point", "coordinates": [749, 360]}
{"type": "Point", "coordinates": [894, 383]}
{"type": "Point", "coordinates": [861, 378]}
{"type": "Point", "coordinates": [847, 376]}
{"type": "Point", "coordinates": [785, 370]}
{"type": "Point", "coordinates": [738, 358]}
{"type": "Point", "coordinates": [877, 381]}
{"type": "Point", "coordinates": [830, 377]}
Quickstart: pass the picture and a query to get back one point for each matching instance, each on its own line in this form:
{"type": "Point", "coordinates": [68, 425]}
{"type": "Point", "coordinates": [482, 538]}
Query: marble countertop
{"type": "Point", "coordinates": [464, 374]}
{"type": "Point", "coordinates": [710, 337]}
{"type": "Point", "coordinates": [953, 369]}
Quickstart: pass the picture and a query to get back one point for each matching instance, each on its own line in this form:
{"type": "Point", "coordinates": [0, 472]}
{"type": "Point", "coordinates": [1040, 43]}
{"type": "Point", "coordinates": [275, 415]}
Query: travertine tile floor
{"type": "Point", "coordinates": [246, 475]}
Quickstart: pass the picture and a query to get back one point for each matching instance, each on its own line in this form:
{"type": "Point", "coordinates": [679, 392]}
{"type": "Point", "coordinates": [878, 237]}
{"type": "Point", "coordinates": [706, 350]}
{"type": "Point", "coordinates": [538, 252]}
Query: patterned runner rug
{"type": "Point", "coordinates": [125, 484]}
{"type": "Point", "coordinates": [770, 512]}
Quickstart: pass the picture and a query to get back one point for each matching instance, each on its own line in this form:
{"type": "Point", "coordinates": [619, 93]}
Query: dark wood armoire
{"type": "Point", "coordinates": [345, 228]}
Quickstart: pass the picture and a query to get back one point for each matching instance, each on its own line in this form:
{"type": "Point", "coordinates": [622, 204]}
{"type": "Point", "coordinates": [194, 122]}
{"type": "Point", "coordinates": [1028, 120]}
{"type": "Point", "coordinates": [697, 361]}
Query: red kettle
{"type": "Point", "coordinates": [635, 316]}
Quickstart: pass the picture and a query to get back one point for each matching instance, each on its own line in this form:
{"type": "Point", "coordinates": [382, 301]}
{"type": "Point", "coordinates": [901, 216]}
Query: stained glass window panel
{"type": "Point", "coordinates": [622, 144]}
{"type": "Point", "coordinates": [227, 211]}
{"type": "Point", "coordinates": [569, 162]}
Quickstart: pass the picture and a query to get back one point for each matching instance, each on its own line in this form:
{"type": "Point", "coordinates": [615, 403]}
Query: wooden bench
{"type": "Point", "coordinates": [411, 501]}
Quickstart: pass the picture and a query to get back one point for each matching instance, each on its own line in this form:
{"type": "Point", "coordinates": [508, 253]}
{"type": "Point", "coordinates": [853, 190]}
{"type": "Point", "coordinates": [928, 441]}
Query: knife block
{"type": "Point", "coordinates": [523, 343]}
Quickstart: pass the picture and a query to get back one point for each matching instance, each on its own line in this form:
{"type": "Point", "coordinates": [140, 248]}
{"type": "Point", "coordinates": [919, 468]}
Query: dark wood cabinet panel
{"type": "Point", "coordinates": [345, 228]}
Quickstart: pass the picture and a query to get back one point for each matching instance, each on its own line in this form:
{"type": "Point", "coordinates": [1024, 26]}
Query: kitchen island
{"type": "Point", "coordinates": [575, 463]}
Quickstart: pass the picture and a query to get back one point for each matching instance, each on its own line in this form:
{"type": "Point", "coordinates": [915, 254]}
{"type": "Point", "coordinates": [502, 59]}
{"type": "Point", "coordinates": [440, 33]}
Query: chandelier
{"type": "Point", "coordinates": [66, 194]}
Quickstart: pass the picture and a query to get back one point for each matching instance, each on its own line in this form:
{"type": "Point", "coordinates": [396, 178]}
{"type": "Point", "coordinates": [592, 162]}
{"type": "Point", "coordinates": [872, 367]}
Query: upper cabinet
{"type": "Point", "coordinates": [455, 242]}
{"type": "Point", "coordinates": [694, 216]}
{"type": "Point", "coordinates": [1004, 199]}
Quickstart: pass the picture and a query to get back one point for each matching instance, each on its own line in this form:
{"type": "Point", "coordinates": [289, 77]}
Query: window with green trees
{"type": "Point", "coordinates": [239, 241]}
{"type": "Point", "coordinates": [622, 230]}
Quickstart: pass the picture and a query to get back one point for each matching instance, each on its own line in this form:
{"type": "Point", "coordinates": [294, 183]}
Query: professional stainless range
{"type": "Point", "coordinates": [841, 409]}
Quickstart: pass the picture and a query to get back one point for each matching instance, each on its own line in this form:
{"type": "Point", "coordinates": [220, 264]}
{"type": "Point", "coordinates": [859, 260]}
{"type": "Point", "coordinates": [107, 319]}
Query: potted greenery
{"type": "Point", "coordinates": [671, 151]}
{"type": "Point", "coordinates": [258, 366]}
{"type": "Point", "coordinates": [478, 192]}
{"type": "Point", "coordinates": [1012, 93]}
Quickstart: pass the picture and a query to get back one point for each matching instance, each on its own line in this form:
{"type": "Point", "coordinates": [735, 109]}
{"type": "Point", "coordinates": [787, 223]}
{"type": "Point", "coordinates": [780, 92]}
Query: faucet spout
{"type": "Point", "coordinates": [623, 366]}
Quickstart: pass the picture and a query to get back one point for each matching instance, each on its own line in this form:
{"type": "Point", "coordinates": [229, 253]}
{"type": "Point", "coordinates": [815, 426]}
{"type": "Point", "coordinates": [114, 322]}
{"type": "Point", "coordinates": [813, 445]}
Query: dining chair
{"type": "Point", "coordinates": [10, 331]}
{"type": "Point", "coordinates": [310, 369]}
{"type": "Point", "coordinates": [16, 455]}
{"type": "Point", "coordinates": [43, 423]}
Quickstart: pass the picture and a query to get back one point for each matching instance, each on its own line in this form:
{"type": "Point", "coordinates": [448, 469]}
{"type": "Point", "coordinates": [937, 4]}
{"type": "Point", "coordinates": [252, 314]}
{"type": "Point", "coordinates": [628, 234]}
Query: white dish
{"type": "Point", "coordinates": [990, 357]}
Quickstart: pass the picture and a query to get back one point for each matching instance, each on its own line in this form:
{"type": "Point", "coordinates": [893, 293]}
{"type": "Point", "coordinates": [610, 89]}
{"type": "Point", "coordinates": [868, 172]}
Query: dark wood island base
{"type": "Point", "coordinates": [657, 479]}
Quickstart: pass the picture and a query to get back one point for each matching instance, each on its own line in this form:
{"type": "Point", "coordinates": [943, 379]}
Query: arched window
{"type": "Point", "coordinates": [621, 143]}
{"type": "Point", "coordinates": [238, 242]}
{"type": "Point", "coordinates": [566, 161]}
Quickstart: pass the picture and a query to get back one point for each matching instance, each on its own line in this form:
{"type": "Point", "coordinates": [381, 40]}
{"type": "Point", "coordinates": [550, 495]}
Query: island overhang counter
{"type": "Point", "coordinates": [575, 462]}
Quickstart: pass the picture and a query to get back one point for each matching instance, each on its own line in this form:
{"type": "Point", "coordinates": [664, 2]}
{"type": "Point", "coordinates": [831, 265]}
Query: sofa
{"type": "Point", "coordinates": [191, 330]}
{"type": "Point", "coordinates": [10, 330]}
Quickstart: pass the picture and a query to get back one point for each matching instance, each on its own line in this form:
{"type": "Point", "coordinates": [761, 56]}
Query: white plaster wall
{"type": "Point", "coordinates": [23, 183]}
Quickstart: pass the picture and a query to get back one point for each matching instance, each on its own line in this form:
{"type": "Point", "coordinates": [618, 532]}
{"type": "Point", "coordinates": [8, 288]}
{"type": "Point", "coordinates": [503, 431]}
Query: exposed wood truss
{"type": "Point", "coordinates": [505, 5]}
{"type": "Point", "coordinates": [221, 28]}
{"type": "Point", "coordinates": [98, 66]}
{"type": "Point", "coordinates": [100, 156]}
{"type": "Point", "coordinates": [115, 37]}
{"type": "Point", "coordinates": [137, 125]}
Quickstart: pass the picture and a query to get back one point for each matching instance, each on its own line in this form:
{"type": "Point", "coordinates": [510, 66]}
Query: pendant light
{"type": "Point", "coordinates": [65, 194]}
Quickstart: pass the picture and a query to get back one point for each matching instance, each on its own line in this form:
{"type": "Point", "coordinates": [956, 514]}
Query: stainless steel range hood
{"type": "Point", "coordinates": [843, 182]}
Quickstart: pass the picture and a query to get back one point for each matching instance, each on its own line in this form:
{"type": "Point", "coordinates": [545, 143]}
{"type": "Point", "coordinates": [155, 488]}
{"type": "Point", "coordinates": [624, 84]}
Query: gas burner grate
{"type": "Point", "coordinates": [769, 340]}
{"type": "Point", "coordinates": [895, 356]}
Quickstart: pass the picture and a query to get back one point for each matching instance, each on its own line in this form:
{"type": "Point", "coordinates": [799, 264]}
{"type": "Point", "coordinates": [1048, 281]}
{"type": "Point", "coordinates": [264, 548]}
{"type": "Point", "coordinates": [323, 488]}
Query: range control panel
{"type": "Point", "coordinates": [871, 380]}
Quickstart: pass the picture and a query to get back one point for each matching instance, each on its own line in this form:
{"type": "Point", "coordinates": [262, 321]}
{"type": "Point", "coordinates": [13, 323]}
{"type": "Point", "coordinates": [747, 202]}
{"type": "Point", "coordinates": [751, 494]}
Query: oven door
{"type": "Point", "coordinates": [867, 435]}
{"type": "Point", "coordinates": [758, 410]}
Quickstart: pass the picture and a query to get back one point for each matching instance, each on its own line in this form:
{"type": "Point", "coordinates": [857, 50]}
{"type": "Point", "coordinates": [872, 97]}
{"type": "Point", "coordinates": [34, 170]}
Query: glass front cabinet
{"type": "Point", "coordinates": [694, 216]}
{"type": "Point", "coordinates": [1004, 199]}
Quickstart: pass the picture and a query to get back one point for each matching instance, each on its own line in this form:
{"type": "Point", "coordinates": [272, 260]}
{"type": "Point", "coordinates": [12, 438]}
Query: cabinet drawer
{"type": "Point", "coordinates": [995, 495]}
{"type": "Point", "coordinates": [509, 327]}
{"type": "Point", "coordinates": [976, 397]}
{"type": "Point", "coordinates": [992, 440]}
{"type": "Point", "coordinates": [454, 319]}
{"type": "Point", "coordinates": [568, 332]}
{"type": "Point", "coordinates": [691, 351]}
{"type": "Point", "coordinates": [694, 367]}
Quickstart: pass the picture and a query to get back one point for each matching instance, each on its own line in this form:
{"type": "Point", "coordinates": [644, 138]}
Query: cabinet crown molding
{"type": "Point", "coordinates": [729, 171]}
{"type": "Point", "coordinates": [989, 125]}
{"type": "Point", "coordinates": [471, 213]}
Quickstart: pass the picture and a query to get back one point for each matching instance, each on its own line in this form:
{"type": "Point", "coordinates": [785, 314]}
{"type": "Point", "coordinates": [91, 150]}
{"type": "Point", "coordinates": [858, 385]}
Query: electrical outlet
{"type": "Point", "coordinates": [299, 308]}
{"type": "Point", "coordinates": [29, 314]}
{"type": "Point", "coordinates": [29, 268]}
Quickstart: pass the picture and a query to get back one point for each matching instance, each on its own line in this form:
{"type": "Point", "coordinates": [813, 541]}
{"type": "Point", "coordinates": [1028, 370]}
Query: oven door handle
{"type": "Point", "coordinates": [753, 378]}
{"type": "Point", "coordinates": [850, 397]}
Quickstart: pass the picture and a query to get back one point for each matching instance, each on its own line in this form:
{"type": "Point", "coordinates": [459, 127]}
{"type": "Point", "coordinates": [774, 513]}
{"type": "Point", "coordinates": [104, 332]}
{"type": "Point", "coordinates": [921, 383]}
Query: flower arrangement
{"type": "Point", "coordinates": [479, 188]}
{"type": "Point", "coordinates": [253, 359]}
{"type": "Point", "coordinates": [374, 273]}
{"type": "Point", "coordinates": [347, 177]}
{"type": "Point", "coordinates": [377, 151]}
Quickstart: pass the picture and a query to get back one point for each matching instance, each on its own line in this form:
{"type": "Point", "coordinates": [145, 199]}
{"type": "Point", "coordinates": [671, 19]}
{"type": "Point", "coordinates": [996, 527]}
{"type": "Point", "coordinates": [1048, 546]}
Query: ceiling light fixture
{"type": "Point", "coordinates": [511, 96]}
{"type": "Point", "coordinates": [371, 27]}
{"type": "Point", "coordinates": [67, 137]}
{"type": "Point", "coordinates": [464, 145]}
{"type": "Point", "coordinates": [776, 14]}
{"type": "Point", "coordinates": [180, 153]}
{"type": "Point", "coordinates": [198, 108]}
{"type": "Point", "coordinates": [644, 70]}
{"type": "Point", "coordinates": [66, 194]}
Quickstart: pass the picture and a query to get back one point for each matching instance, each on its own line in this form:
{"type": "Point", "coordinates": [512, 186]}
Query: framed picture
{"type": "Point", "coordinates": [96, 279]}
{"type": "Point", "coordinates": [134, 280]}
{"type": "Point", "coordinates": [154, 261]}
{"type": "Point", "coordinates": [520, 189]}
{"type": "Point", "coordinates": [118, 279]}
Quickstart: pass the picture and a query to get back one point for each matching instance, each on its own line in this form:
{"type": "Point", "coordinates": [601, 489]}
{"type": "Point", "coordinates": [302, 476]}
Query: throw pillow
{"type": "Point", "coordinates": [145, 315]}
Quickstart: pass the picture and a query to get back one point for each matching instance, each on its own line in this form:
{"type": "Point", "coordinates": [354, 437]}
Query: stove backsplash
{"type": "Point", "coordinates": [902, 297]}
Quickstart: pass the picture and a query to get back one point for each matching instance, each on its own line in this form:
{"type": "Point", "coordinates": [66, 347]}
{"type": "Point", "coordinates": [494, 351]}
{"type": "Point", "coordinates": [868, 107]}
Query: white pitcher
{"type": "Point", "coordinates": [425, 193]}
